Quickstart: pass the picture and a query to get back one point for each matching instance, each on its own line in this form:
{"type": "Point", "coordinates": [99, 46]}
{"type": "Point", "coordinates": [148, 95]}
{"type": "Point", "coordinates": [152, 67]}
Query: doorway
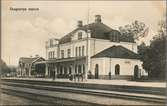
{"type": "Point", "coordinates": [96, 71]}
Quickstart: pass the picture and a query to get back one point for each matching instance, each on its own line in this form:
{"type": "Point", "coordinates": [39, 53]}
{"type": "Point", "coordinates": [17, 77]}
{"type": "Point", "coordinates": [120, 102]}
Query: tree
{"type": "Point", "coordinates": [153, 56]}
{"type": "Point", "coordinates": [133, 29]}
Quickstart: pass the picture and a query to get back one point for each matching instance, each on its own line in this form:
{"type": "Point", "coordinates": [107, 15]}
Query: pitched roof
{"type": "Point", "coordinates": [98, 30]}
{"type": "Point", "coordinates": [117, 52]}
{"type": "Point", "coordinates": [28, 59]}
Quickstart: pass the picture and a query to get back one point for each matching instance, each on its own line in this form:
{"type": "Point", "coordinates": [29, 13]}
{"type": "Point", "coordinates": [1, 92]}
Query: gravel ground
{"type": "Point", "coordinates": [6, 99]}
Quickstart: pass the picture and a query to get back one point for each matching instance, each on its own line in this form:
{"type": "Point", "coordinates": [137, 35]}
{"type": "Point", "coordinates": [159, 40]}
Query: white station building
{"type": "Point", "coordinates": [95, 50]}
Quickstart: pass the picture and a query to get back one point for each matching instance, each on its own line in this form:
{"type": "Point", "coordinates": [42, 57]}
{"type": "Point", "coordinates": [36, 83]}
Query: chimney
{"type": "Point", "coordinates": [79, 23]}
{"type": "Point", "coordinates": [97, 18]}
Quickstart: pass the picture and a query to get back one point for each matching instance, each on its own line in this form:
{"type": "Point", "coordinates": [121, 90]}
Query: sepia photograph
{"type": "Point", "coordinates": [83, 53]}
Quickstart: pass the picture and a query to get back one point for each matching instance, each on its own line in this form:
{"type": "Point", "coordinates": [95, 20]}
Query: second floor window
{"type": "Point", "coordinates": [51, 54]}
{"type": "Point", "coordinates": [79, 51]}
{"type": "Point", "coordinates": [62, 53]}
{"type": "Point", "coordinates": [83, 50]}
{"type": "Point", "coordinates": [69, 53]}
{"type": "Point", "coordinates": [79, 35]}
{"type": "Point", "coordinates": [76, 51]}
{"type": "Point", "coordinates": [51, 42]}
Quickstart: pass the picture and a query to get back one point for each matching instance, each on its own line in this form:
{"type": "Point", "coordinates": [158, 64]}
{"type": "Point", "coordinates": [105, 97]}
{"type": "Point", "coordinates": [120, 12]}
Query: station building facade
{"type": "Point", "coordinates": [96, 51]}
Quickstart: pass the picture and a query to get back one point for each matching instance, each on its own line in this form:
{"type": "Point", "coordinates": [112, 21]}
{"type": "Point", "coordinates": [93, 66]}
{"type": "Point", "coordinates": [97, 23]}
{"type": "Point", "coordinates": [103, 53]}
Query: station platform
{"type": "Point", "coordinates": [101, 82]}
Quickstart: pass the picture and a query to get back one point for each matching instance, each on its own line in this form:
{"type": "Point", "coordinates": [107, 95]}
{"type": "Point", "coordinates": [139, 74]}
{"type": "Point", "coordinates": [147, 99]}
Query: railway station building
{"type": "Point", "coordinates": [94, 50]}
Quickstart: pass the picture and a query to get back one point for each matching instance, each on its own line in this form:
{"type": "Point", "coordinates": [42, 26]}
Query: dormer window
{"type": "Point", "coordinates": [79, 35]}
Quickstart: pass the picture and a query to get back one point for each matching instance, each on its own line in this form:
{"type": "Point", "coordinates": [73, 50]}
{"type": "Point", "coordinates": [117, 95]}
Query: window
{"type": "Point", "coordinates": [53, 53]}
{"type": "Point", "coordinates": [79, 35]}
{"type": "Point", "coordinates": [83, 50]}
{"type": "Point", "coordinates": [76, 51]}
{"type": "Point", "coordinates": [51, 42]}
{"type": "Point", "coordinates": [62, 53]}
{"type": "Point", "coordinates": [68, 52]}
{"type": "Point", "coordinates": [117, 69]}
{"type": "Point", "coordinates": [79, 51]}
{"type": "Point", "coordinates": [49, 55]}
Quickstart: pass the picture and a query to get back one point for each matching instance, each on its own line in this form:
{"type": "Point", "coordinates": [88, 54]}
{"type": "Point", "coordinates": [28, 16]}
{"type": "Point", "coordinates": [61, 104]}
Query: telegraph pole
{"type": "Point", "coordinates": [87, 47]}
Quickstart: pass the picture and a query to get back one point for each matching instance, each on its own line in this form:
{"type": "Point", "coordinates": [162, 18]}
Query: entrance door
{"type": "Point", "coordinates": [117, 69]}
{"type": "Point", "coordinates": [136, 72]}
{"type": "Point", "coordinates": [96, 71]}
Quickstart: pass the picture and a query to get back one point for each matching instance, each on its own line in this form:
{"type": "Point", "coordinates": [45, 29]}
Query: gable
{"type": "Point", "coordinates": [74, 36]}
{"type": "Point", "coordinates": [28, 60]}
{"type": "Point", "coordinates": [38, 59]}
{"type": "Point", "coordinates": [117, 52]}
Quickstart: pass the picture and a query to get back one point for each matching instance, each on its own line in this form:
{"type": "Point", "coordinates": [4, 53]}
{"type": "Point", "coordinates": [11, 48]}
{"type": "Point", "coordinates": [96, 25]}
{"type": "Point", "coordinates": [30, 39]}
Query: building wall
{"type": "Point", "coordinates": [108, 64]}
{"type": "Point", "coordinates": [52, 49]}
{"type": "Point", "coordinates": [70, 45]}
{"type": "Point", "coordinates": [96, 45]}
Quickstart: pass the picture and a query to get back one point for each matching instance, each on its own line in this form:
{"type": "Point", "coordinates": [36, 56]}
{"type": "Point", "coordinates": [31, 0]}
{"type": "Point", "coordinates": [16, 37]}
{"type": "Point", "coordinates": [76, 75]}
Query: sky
{"type": "Point", "coordinates": [24, 33]}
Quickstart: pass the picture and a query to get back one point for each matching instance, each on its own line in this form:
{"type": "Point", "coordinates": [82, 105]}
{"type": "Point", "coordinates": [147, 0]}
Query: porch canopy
{"type": "Point", "coordinates": [62, 60]}
{"type": "Point", "coordinates": [63, 66]}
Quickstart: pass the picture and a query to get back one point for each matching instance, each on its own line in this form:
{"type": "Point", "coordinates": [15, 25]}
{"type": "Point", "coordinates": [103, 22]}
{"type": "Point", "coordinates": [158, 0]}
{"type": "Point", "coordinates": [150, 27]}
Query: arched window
{"type": "Point", "coordinates": [136, 71]}
{"type": "Point", "coordinates": [117, 69]}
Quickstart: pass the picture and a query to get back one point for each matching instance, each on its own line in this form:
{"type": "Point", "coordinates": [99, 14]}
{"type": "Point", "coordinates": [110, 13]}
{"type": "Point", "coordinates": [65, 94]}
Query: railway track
{"type": "Point", "coordinates": [52, 88]}
{"type": "Point", "coordinates": [120, 88]}
{"type": "Point", "coordinates": [46, 100]}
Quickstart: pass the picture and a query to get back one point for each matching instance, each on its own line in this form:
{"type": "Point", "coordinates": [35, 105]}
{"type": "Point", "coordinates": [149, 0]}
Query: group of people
{"type": "Point", "coordinates": [73, 77]}
{"type": "Point", "coordinates": [76, 77]}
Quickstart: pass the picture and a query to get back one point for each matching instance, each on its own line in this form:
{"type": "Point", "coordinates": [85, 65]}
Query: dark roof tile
{"type": "Point", "coordinates": [99, 31]}
{"type": "Point", "coordinates": [28, 59]}
{"type": "Point", "coordinates": [117, 52]}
